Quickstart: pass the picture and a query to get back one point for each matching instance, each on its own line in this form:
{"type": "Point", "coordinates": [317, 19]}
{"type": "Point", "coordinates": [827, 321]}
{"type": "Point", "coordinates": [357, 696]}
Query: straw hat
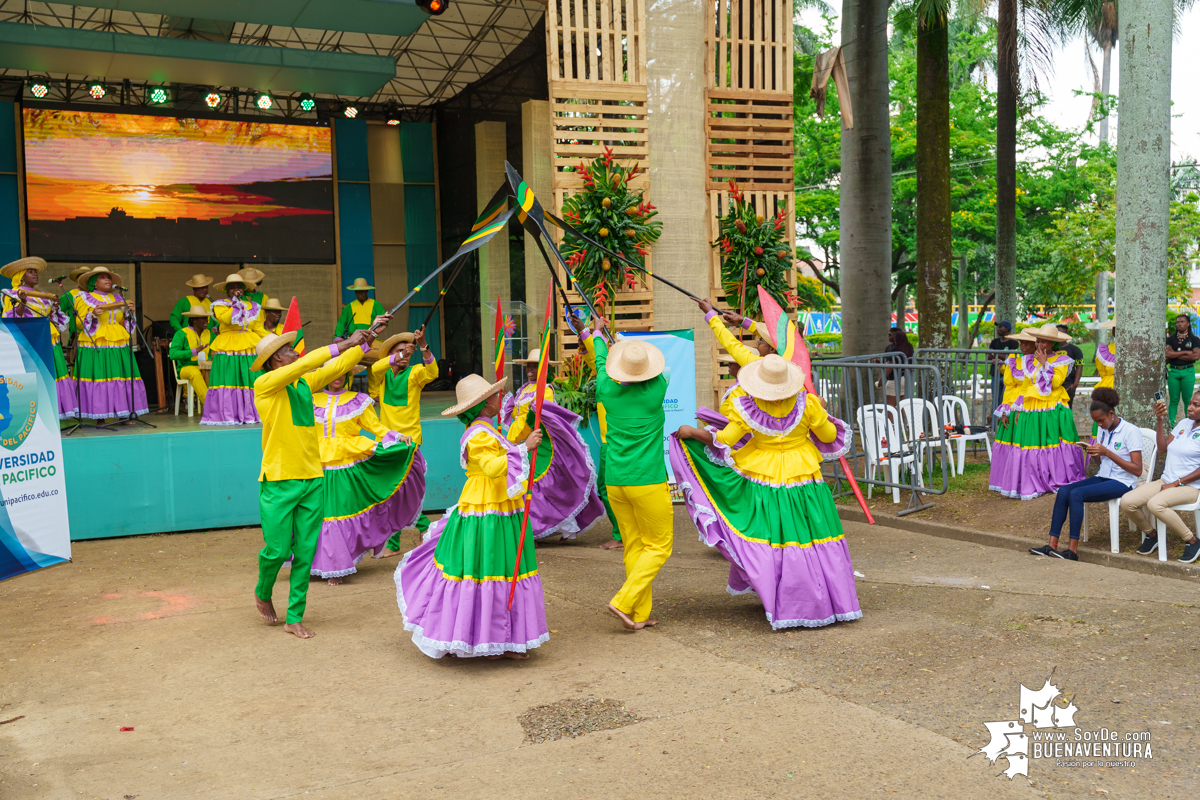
{"type": "Point", "coordinates": [196, 311]}
{"type": "Point", "coordinates": [235, 277]}
{"type": "Point", "coordinates": [252, 275]}
{"type": "Point", "coordinates": [199, 281]}
{"type": "Point", "coordinates": [360, 285]}
{"type": "Point", "coordinates": [268, 345]}
{"type": "Point", "coordinates": [763, 333]}
{"type": "Point", "coordinates": [1101, 326]}
{"type": "Point", "coordinates": [771, 378]}
{"type": "Point", "coordinates": [272, 304]}
{"type": "Point", "coordinates": [634, 361]}
{"type": "Point", "coordinates": [1048, 332]}
{"type": "Point", "coordinates": [85, 280]}
{"type": "Point", "coordinates": [385, 347]}
{"type": "Point", "coordinates": [471, 391]}
{"type": "Point", "coordinates": [1021, 336]}
{"type": "Point", "coordinates": [21, 265]}
{"type": "Point", "coordinates": [534, 357]}
{"type": "Point", "coordinates": [78, 273]}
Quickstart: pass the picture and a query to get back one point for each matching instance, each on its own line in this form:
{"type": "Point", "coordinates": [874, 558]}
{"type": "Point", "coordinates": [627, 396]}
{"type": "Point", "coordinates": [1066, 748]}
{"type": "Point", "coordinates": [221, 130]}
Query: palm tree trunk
{"type": "Point", "coordinates": [1006, 160]}
{"type": "Point", "coordinates": [934, 233]}
{"type": "Point", "coordinates": [865, 199]}
{"type": "Point", "coordinates": [1106, 73]}
{"type": "Point", "coordinates": [1143, 201]}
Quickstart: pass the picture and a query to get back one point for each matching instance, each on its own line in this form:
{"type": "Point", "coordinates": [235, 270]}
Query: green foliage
{"type": "Point", "coordinates": [575, 388]}
{"type": "Point", "coordinates": [808, 295]}
{"type": "Point", "coordinates": [754, 252]}
{"type": "Point", "coordinates": [618, 217]}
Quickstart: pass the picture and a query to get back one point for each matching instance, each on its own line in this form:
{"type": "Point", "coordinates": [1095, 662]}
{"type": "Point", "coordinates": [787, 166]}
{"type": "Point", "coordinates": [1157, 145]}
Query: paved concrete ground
{"type": "Point", "coordinates": [159, 633]}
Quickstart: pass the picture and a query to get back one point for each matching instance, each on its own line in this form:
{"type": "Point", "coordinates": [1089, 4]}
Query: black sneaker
{"type": "Point", "coordinates": [1148, 545]}
{"type": "Point", "coordinates": [1044, 550]}
{"type": "Point", "coordinates": [1065, 555]}
{"type": "Point", "coordinates": [1191, 551]}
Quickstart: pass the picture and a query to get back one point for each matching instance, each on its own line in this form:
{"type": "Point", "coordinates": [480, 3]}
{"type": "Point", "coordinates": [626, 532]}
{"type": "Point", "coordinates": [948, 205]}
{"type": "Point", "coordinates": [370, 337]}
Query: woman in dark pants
{"type": "Point", "coordinates": [1118, 445]}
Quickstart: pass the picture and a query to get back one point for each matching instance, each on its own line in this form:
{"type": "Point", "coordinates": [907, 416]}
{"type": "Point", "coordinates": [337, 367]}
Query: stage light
{"type": "Point", "coordinates": [307, 103]}
{"type": "Point", "coordinates": [97, 91]}
{"type": "Point", "coordinates": [263, 101]}
{"type": "Point", "coordinates": [159, 95]}
{"type": "Point", "coordinates": [212, 99]}
{"type": "Point", "coordinates": [39, 89]}
{"type": "Point", "coordinates": [433, 7]}
{"type": "Point", "coordinates": [351, 112]}
{"type": "Point", "coordinates": [393, 121]}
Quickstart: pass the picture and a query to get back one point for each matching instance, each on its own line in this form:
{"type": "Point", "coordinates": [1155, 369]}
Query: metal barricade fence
{"type": "Point", "coordinates": [899, 422]}
{"type": "Point", "coordinates": [968, 375]}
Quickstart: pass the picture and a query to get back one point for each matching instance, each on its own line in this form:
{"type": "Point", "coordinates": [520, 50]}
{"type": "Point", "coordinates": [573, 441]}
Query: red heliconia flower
{"type": "Point", "coordinates": [758, 251]}
{"type": "Point", "coordinates": [608, 155]}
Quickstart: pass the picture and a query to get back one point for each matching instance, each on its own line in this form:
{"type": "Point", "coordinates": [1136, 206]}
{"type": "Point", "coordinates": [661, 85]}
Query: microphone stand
{"type": "Point", "coordinates": [133, 414]}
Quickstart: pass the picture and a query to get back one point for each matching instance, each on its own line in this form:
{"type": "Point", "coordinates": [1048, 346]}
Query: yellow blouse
{"type": "Point", "coordinates": [103, 328]}
{"type": "Point", "coordinates": [779, 458]}
{"type": "Point", "coordinates": [343, 417]}
{"type": "Point", "coordinates": [495, 482]}
{"type": "Point", "coordinates": [518, 430]}
{"type": "Point", "coordinates": [1044, 386]}
{"type": "Point", "coordinates": [241, 335]}
{"type": "Point", "coordinates": [1014, 386]}
{"type": "Point", "coordinates": [1106, 368]}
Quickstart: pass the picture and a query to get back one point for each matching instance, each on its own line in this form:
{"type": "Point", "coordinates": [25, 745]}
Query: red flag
{"type": "Point", "coordinates": [292, 323]}
{"type": "Point", "coordinates": [499, 339]}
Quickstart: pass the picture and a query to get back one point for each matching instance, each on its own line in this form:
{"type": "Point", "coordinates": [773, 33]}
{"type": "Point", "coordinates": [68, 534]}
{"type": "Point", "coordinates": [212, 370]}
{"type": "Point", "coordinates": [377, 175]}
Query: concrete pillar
{"type": "Point", "coordinates": [493, 257]}
{"type": "Point", "coordinates": [676, 84]}
{"type": "Point", "coordinates": [538, 171]}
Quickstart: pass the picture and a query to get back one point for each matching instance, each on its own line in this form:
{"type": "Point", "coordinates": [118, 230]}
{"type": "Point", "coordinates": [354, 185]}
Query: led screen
{"type": "Point", "coordinates": [124, 187]}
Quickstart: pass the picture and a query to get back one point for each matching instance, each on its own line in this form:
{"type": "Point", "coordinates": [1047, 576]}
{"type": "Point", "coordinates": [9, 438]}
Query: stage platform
{"type": "Point", "coordinates": [185, 476]}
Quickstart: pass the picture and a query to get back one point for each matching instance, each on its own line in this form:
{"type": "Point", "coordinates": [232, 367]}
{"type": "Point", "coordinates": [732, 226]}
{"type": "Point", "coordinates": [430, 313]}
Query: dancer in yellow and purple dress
{"type": "Point", "coordinates": [565, 501]}
{"type": "Point", "coordinates": [373, 487]}
{"type": "Point", "coordinates": [1106, 361]}
{"type": "Point", "coordinates": [1043, 453]}
{"type": "Point", "coordinates": [453, 588]}
{"type": "Point", "coordinates": [230, 399]}
{"type": "Point", "coordinates": [1016, 371]}
{"type": "Point", "coordinates": [765, 506]}
{"type": "Point", "coordinates": [108, 377]}
{"type": "Point", "coordinates": [25, 274]}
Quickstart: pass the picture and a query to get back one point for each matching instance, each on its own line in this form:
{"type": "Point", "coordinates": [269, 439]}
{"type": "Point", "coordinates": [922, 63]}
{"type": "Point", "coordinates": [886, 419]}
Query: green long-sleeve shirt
{"type": "Point", "coordinates": [185, 304]}
{"type": "Point", "coordinates": [356, 316]}
{"type": "Point", "coordinates": [634, 420]}
{"type": "Point", "coordinates": [184, 345]}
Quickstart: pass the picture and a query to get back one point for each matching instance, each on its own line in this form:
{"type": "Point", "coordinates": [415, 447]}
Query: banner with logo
{"type": "Point", "coordinates": [679, 350]}
{"type": "Point", "coordinates": [34, 531]}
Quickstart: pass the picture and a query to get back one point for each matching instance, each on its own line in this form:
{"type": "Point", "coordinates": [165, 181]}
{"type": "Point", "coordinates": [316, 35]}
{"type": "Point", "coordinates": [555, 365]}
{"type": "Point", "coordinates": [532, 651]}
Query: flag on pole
{"type": "Point", "coordinates": [292, 323]}
{"type": "Point", "coordinates": [498, 337]}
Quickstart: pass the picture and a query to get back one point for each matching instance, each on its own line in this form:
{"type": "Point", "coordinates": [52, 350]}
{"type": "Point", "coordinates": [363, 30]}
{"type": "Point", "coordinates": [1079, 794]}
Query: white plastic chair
{"type": "Point", "coordinates": [191, 393]}
{"type": "Point", "coordinates": [1161, 526]}
{"type": "Point", "coordinates": [950, 405]}
{"type": "Point", "coordinates": [914, 412]}
{"type": "Point", "coordinates": [881, 439]}
{"type": "Point", "coordinates": [1149, 456]}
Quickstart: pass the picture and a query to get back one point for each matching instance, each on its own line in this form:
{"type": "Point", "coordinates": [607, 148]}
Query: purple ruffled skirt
{"type": "Point", "coordinates": [565, 500]}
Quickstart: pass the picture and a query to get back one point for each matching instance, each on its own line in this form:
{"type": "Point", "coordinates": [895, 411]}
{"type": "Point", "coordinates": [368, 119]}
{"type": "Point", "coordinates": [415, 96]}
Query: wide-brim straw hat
{"type": "Point", "coordinates": [197, 311]}
{"type": "Point", "coordinates": [471, 391]}
{"type": "Point", "coordinates": [761, 329]}
{"type": "Point", "coordinates": [771, 378]}
{"type": "Point", "coordinates": [272, 304]}
{"type": "Point", "coordinates": [252, 275]}
{"type": "Point", "coordinates": [85, 280]}
{"type": "Point", "coordinates": [22, 265]}
{"type": "Point", "coordinates": [78, 273]}
{"type": "Point", "coordinates": [1101, 326]}
{"type": "Point", "coordinates": [534, 357]}
{"type": "Point", "coordinates": [1049, 333]}
{"type": "Point", "coordinates": [634, 361]}
{"type": "Point", "coordinates": [360, 285]}
{"type": "Point", "coordinates": [234, 277]}
{"type": "Point", "coordinates": [385, 346]}
{"type": "Point", "coordinates": [199, 281]}
{"type": "Point", "coordinates": [269, 345]}
{"type": "Point", "coordinates": [1021, 336]}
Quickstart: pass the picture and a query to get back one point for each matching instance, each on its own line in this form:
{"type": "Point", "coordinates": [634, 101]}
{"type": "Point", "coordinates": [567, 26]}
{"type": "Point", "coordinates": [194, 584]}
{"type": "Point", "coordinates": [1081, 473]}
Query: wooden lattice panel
{"type": "Point", "coordinates": [749, 138]}
{"type": "Point", "coordinates": [750, 45]}
{"type": "Point", "coordinates": [597, 41]}
{"type": "Point", "coordinates": [587, 118]}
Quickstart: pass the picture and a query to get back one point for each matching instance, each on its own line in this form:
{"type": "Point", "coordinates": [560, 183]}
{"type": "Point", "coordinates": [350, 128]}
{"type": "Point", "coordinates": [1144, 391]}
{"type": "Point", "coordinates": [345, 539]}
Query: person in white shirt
{"type": "Point", "coordinates": [1118, 445]}
{"type": "Point", "coordinates": [1179, 484]}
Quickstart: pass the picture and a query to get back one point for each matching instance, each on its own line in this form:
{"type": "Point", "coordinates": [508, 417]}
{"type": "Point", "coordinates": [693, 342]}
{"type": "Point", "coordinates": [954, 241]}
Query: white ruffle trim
{"type": "Point", "coordinates": [718, 453]}
{"type": "Point", "coordinates": [739, 592]}
{"type": "Point", "coordinates": [813, 623]}
{"type": "Point", "coordinates": [1015, 495]}
{"type": "Point", "coordinates": [516, 483]}
{"type": "Point", "coordinates": [847, 440]}
{"type": "Point", "coordinates": [798, 409]}
{"type": "Point", "coordinates": [569, 527]}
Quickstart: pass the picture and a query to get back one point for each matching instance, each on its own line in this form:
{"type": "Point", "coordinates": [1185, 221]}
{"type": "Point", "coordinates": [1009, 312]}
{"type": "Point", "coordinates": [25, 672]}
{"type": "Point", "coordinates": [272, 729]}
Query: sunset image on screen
{"type": "Point", "coordinates": [150, 187]}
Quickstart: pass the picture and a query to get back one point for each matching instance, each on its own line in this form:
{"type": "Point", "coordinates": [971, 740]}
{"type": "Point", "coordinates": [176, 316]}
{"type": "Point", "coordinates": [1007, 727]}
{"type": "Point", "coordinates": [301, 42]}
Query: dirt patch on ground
{"type": "Point", "coordinates": [568, 719]}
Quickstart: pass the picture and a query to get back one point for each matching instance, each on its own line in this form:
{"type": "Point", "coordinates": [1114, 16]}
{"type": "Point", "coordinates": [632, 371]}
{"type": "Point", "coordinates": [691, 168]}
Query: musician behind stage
{"type": "Point", "coordinates": [110, 385]}
{"type": "Point", "coordinates": [272, 320]}
{"type": "Point", "coordinates": [199, 297]}
{"type": "Point", "coordinates": [189, 347]}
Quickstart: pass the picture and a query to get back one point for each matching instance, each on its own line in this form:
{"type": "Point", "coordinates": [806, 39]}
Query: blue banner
{"type": "Point", "coordinates": [34, 530]}
{"type": "Point", "coordinates": [679, 350]}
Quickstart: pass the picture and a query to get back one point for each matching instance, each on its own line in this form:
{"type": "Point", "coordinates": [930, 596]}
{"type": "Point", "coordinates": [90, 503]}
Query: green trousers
{"type": "Point", "coordinates": [393, 543]}
{"type": "Point", "coordinates": [1180, 384]}
{"type": "Point", "coordinates": [602, 490]}
{"type": "Point", "coordinates": [291, 514]}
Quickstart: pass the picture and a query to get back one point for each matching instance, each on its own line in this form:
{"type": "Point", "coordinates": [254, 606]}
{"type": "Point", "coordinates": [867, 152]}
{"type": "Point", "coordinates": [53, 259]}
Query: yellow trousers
{"type": "Point", "coordinates": [195, 377]}
{"type": "Point", "coordinates": [645, 516]}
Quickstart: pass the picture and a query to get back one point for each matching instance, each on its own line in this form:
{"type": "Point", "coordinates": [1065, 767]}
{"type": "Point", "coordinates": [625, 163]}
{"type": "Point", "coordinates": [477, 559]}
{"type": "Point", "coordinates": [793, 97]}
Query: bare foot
{"type": "Point", "coordinates": [613, 544]}
{"type": "Point", "coordinates": [299, 629]}
{"type": "Point", "coordinates": [513, 656]}
{"type": "Point", "coordinates": [385, 553]}
{"type": "Point", "coordinates": [336, 581]}
{"type": "Point", "coordinates": [650, 623]}
{"type": "Point", "coordinates": [626, 620]}
{"type": "Point", "coordinates": [266, 610]}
